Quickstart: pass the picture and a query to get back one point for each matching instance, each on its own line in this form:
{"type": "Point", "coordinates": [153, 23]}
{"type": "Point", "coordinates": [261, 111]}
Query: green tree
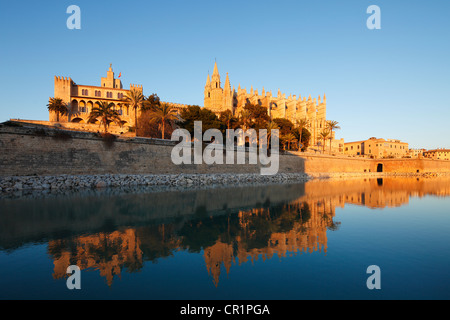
{"type": "Point", "coordinates": [135, 99]}
{"type": "Point", "coordinates": [195, 113]}
{"type": "Point", "coordinates": [228, 119]}
{"type": "Point", "coordinates": [58, 106]}
{"type": "Point", "coordinates": [304, 136]}
{"type": "Point", "coordinates": [104, 112]}
{"type": "Point", "coordinates": [285, 125]}
{"type": "Point", "coordinates": [332, 125]}
{"type": "Point", "coordinates": [271, 126]}
{"type": "Point", "coordinates": [163, 114]}
{"type": "Point", "coordinates": [323, 135]}
{"type": "Point", "coordinates": [152, 102]}
{"type": "Point", "coordinates": [257, 116]}
{"type": "Point", "coordinates": [290, 138]}
{"type": "Point", "coordinates": [301, 124]}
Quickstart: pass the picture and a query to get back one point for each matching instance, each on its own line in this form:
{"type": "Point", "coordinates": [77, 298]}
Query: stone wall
{"type": "Point", "coordinates": [38, 151]}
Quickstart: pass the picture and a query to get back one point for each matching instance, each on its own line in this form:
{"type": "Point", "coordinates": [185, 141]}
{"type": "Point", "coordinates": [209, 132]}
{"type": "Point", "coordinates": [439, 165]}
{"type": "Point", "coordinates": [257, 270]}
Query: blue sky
{"type": "Point", "coordinates": [388, 83]}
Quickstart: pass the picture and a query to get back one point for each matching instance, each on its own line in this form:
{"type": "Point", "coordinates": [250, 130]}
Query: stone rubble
{"type": "Point", "coordinates": [76, 182]}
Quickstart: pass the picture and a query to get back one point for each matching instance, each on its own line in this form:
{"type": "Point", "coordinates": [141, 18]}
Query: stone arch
{"type": "Point", "coordinates": [74, 105]}
{"type": "Point", "coordinates": [82, 106]}
{"type": "Point", "coordinates": [89, 106]}
{"type": "Point", "coordinates": [380, 167]}
{"type": "Point", "coordinates": [78, 120]}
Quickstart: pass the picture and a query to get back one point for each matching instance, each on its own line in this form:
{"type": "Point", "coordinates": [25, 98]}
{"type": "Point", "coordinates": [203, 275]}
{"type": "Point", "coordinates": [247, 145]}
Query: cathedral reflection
{"type": "Point", "coordinates": [120, 232]}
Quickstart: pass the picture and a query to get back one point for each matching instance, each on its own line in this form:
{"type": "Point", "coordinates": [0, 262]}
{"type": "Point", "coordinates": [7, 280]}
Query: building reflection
{"type": "Point", "coordinates": [228, 227]}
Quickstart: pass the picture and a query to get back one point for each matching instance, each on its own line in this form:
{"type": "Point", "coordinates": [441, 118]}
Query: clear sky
{"type": "Point", "coordinates": [388, 83]}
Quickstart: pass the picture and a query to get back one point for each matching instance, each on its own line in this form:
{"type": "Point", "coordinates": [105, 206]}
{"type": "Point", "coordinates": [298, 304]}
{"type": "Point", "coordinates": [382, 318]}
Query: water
{"type": "Point", "coordinates": [296, 241]}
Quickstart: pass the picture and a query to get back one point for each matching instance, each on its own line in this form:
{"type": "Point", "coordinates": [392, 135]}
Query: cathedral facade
{"type": "Point", "coordinates": [293, 108]}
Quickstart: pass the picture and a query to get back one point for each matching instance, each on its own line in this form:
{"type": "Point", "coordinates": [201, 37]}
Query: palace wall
{"type": "Point", "coordinates": [38, 151]}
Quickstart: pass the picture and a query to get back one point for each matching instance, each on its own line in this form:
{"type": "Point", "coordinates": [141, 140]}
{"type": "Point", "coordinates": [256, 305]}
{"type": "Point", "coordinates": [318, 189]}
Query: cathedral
{"type": "Point", "coordinates": [218, 99]}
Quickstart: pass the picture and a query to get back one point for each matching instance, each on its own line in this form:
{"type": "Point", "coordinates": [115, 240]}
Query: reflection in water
{"type": "Point", "coordinates": [115, 231]}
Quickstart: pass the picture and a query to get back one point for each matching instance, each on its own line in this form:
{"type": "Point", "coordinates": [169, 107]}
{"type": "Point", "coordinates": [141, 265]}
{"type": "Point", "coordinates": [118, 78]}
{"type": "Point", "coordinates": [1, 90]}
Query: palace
{"type": "Point", "coordinates": [218, 99]}
{"type": "Point", "coordinates": [82, 98]}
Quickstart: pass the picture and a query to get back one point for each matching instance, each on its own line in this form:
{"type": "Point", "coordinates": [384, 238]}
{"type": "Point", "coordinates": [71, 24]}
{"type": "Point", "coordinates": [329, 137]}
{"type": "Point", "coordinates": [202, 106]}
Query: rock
{"type": "Point", "coordinates": [101, 184]}
{"type": "Point", "coordinates": [18, 186]}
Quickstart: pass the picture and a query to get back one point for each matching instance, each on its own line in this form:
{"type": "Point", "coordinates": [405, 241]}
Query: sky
{"type": "Point", "coordinates": [390, 83]}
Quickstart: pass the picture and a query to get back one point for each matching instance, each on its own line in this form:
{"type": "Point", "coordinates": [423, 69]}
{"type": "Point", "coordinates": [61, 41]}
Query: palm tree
{"type": "Point", "coordinates": [244, 119]}
{"type": "Point", "coordinates": [151, 102]}
{"type": "Point", "coordinates": [105, 113]}
{"type": "Point", "coordinates": [135, 99]}
{"type": "Point", "coordinates": [290, 138]}
{"type": "Point", "coordinates": [303, 123]}
{"type": "Point", "coordinates": [324, 136]}
{"type": "Point", "coordinates": [228, 119]}
{"type": "Point", "coordinates": [162, 114]}
{"type": "Point", "coordinates": [57, 105]}
{"type": "Point", "coordinates": [332, 125]}
{"type": "Point", "coordinates": [271, 126]}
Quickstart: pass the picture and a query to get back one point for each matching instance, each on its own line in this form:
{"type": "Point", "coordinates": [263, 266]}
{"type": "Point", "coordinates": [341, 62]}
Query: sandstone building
{"type": "Point", "coordinates": [82, 98]}
{"type": "Point", "coordinates": [293, 108]}
{"type": "Point", "coordinates": [438, 154]}
{"type": "Point", "coordinates": [377, 148]}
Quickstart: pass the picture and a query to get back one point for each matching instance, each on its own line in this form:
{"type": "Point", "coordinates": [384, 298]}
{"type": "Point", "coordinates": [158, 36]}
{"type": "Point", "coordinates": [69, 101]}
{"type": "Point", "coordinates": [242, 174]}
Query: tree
{"type": "Point", "coordinates": [59, 106]}
{"type": "Point", "coordinates": [256, 116]}
{"type": "Point", "coordinates": [244, 119]}
{"type": "Point", "coordinates": [152, 102]}
{"type": "Point", "coordinates": [323, 135]}
{"type": "Point", "coordinates": [135, 99]}
{"type": "Point", "coordinates": [304, 136]}
{"type": "Point", "coordinates": [228, 119]}
{"type": "Point", "coordinates": [332, 125]}
{"type": "Point", "coordinates": [285, 125]}
{"type": "Point", "coordinates": [271, 126]}
{"type": "Point", "coordinates": [290, 138]}
{"type": "Point", "coordinates": [195, 113]}
{"type": "Point", "coordinates": [105, 113]}
{"type": "Point", "coordinates": [301, 124]}
{"type": "Point", "coordinates": [163, 114]}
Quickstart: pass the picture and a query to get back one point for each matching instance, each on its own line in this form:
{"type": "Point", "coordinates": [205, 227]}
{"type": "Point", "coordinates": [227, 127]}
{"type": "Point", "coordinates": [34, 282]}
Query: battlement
{"type": "Point", "coordinates": [136, 87]}
{"type": "Point", "coordinates": [63, 80]}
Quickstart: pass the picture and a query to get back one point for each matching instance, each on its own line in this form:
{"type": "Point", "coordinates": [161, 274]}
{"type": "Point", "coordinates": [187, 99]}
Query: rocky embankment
{"type": "Point", "coordinates": [75, 182]}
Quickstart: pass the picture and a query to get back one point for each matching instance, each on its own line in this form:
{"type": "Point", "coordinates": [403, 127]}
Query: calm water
{"type": "Point", "coordinates": [299, 241]}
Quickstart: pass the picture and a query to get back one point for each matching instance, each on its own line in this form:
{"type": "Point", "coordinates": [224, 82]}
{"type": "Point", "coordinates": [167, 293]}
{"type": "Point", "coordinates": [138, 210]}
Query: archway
{"type": "Point", "coordinates": [89, 106]}
{"type": "Point", "coordinates": [78, 120]}
{"type": "Point", "coordinates": [380, 167]}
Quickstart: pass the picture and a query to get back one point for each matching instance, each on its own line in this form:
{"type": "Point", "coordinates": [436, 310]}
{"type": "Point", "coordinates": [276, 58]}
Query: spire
{"type": "Point", "coordinates": [216, 70]}
{"type": "Point", "coordinates": [208, 81]}
{"type": "Point", "coordinates": [215, 79]}
{"type": "Point", "coordinates": [227, 83]}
